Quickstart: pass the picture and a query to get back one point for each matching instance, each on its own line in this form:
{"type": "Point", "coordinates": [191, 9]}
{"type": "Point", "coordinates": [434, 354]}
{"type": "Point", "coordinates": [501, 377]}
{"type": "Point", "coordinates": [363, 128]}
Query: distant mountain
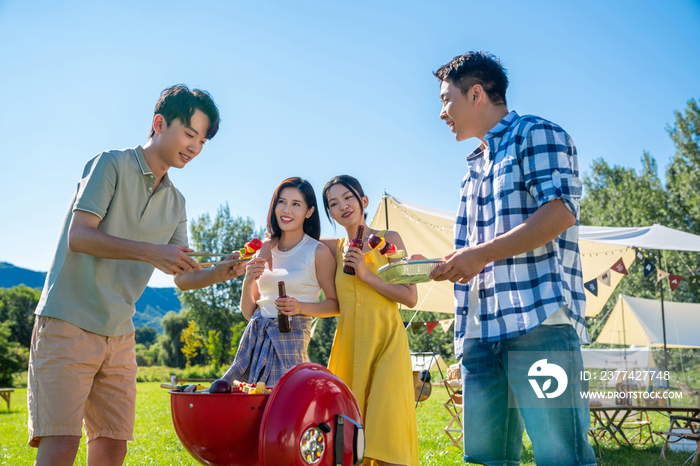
{"type": "Point", "coordinates": [153, 305]}
{"type": "Point", "coordinates": [150, 308]}
{"type": "Point", "coordinates": [11, 276]}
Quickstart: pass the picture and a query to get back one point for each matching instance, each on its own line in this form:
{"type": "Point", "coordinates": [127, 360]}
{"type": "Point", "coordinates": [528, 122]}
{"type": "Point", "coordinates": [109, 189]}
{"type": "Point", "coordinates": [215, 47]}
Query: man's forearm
{"type": "Point", "coordinates": [196, 280]}
{"type": "Point", "coordinates": [89, 240]}
{"type": "Point", "coordinates": [548, 222]}
{"type": "Point", "coordinates": [84, 237]}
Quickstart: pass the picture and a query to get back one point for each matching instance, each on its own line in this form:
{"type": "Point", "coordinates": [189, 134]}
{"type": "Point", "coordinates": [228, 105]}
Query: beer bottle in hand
{"type": "Point", "coordinates": [284, 321]}
{"type": "Point", "coordinates": [356, 243]}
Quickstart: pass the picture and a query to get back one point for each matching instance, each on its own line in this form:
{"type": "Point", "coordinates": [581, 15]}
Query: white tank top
{"type": "Point", "coordinates": [297, 268]}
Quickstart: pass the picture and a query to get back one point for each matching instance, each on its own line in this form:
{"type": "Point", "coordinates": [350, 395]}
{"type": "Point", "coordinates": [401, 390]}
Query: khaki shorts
{"type": "Point", "coordinates": [77, 376]}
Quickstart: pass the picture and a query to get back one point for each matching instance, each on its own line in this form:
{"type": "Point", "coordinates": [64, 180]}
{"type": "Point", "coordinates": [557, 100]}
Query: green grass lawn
{"type": "Point", "coordinates": [155, 441]}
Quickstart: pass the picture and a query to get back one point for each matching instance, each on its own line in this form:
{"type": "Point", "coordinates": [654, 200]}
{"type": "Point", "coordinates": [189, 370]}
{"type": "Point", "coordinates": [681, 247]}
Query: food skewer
{"type": "Point", "coordinates": [208, 254]}
{"type": "Point", "coordinates": [215, 263]}
{"type": "Point", "coordinates": [385, 248]}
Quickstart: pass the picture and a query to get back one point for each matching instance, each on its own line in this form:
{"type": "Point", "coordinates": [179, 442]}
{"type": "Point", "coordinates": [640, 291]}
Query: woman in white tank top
{"type": "Point", "coordinates": [306, 266]}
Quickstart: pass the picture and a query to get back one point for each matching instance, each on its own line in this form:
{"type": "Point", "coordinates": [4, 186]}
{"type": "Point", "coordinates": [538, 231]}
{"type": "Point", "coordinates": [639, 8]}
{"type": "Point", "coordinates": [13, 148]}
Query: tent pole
{"type": "Point", "coordinates": [663, 317]}
{"type": "Point", "coordinates": [624, 332]}
{"type": "Point", "coordinates": [386, 211]}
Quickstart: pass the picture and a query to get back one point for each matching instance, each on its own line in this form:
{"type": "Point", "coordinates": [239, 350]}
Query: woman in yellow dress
{"type": "Point", "coordinates": [370, 350]}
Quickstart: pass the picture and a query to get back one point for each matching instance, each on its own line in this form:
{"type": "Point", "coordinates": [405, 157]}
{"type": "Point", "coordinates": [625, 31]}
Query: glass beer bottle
{"type": "Point", "coordinates": [284, 322]}
{"type": "Point", "coordinates": [356, 243]}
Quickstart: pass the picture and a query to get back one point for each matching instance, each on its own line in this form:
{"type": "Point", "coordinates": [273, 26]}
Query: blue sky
{"type": "Point", "coordinates": [316, 89]}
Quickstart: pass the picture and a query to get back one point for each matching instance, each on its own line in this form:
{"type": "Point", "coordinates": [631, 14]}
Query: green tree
{"type": "Point", "coordinates": [17, 306]}
{"type": "Point", "coordinates": [236, 333]}
{"type": "Point", "coordinates": [141, 358]}
{"type": "Point", "coordinates": [217, 307]}
{"type": "Point", "coordinates": [215, 347]}
{"type": "Point", "coordinates": [683, 175]}
{"type": "Point", "coordinates": [192, 342]}
{"type": "Point", "coordinates": [13, 357]}
{"type": "Point", "coordinates": [621, 197]}
{"type": "Point", "coordinates": [146, 336]}
{"type": "Point", "coordinates": [320, 345]}
{"type": "Point", "coordinates": [170, 345]}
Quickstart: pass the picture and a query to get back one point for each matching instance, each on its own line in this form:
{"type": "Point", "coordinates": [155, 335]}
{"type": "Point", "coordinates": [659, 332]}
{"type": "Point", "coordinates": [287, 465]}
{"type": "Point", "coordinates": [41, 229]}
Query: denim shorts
{"type": "Point", "coordinates": [528, 382]}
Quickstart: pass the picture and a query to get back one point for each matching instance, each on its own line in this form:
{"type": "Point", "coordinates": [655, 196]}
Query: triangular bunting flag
{"type": "Point", "coordinates": [661, 274]}
{"type": "Point", "coordinates": [604, 278]}
{"type": "Point", "coordinates": [674, 281]}
{"type": "Point", "coordinates": [416, 326]}
{"type": "Point", "coordinates": [640, 256]}
{"type": "Point", "coordinates": [592, 286]}
{"type": "Point", "coordinates": [694, 282]}
{"type": "Point", "coordinates": [430, 326]}
{"type": "Point", "coordinates": [648, 267]}
{"type": "Point", "coordinates": [619, 267]}
{"type": "Point", "coordinates": [446, 324]}
{"type": "Point", "coordinates": [405, 325]}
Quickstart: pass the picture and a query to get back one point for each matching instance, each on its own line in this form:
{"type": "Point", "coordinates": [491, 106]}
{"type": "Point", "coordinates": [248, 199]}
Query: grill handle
{"type": "Point", "coordinates": [358, 441]}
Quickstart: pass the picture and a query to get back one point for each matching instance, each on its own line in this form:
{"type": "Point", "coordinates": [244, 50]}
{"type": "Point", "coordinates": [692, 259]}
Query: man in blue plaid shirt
{"type": "Point", "coordinates": [519, 299]}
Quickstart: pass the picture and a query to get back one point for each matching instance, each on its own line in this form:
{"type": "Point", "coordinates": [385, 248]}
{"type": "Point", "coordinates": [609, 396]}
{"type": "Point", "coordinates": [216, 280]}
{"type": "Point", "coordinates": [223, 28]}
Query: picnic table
{"type": "Point", "coordinates": [5, 394]}
{"type": "Point", "coordinates": [612, 417]}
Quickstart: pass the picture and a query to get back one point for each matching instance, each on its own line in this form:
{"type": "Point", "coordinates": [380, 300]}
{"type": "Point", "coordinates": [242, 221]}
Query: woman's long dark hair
{"type": "Point", "coordinates": [312, 225]}
{"type": "Point", "coordinates": [351, 184]}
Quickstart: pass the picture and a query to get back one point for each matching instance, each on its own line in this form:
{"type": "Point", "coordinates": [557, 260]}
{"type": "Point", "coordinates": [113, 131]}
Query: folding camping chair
{"type": "Point", "coordinates": [689, 431]}
{"type": "Point", "coordinates": [593, 433]}
{"type": "Point", "coordinates": [454, 429]}
{"type": "Point", "coordinates": [453, 384]}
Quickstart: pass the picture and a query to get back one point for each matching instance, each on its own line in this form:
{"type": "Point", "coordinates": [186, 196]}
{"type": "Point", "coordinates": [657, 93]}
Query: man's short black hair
{"type": "Point", "coordinates": [477, 68]}
{"type": "Point", "coordinates": [179, 102]}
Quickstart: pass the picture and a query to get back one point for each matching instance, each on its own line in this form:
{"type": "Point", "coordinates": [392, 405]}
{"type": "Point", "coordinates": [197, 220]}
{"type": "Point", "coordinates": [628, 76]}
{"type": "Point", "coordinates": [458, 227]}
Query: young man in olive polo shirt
{"type": "Point", "coordinates": [126, 218]}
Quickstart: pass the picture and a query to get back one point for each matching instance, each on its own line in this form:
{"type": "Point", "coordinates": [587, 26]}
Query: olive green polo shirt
{"type": "Point", "coordinates": [98, 295]}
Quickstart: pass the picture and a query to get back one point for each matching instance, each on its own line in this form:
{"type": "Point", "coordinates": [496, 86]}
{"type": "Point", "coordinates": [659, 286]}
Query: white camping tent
{"type": "Point", "coordinates": [653, 237]}
{"type": "Point", "coordinates": [631, 358]}
{"type": "Point", "coordinates": [429, 231]}
{"type": "Point", "coordinates": [637, 321]}
{"type": "Point", "coordinates": [623, 361]}
{"type": "Point", "coordinates": [602, 246]}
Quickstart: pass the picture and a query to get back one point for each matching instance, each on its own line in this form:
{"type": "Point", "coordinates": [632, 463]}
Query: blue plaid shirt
{"type": "Point", "coordinates": [529, 162]}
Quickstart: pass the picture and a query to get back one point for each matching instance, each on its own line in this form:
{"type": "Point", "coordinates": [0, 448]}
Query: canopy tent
{"type": "Point", "coordinates": [617, 358]}
{"type": "Point", "coordinates": [427, 362]}
{"type": "Point", "coordinates": [429, 231]}
{"type": "Point", "coordinates": [596, 259]}
{"type": "Point", "coordinates": [424, 230]}
{"type": "Point", "coordinates": [622, 361]}
{"type": "Point", "coordinates": [653, 237]}
{"type": "Point", "coordinates": [635, 321]}
{"type": "Point", "coordinates": [602, 246]}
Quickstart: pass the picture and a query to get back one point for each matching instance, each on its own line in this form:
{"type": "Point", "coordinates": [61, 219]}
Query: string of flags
{"type": "Point", "coordinates": [429, 326]}
{"type": "Point", "coordinates": [649, 267]}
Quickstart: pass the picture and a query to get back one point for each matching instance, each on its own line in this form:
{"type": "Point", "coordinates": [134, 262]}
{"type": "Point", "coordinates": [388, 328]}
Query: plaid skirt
{"type": "Point", "coordinates": [264, 354]}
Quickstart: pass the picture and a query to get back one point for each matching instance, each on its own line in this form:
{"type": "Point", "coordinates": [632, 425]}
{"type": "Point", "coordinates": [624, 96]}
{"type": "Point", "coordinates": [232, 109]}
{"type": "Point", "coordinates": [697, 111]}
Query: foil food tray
{"type": "Point", "coordinates": [405, 271]}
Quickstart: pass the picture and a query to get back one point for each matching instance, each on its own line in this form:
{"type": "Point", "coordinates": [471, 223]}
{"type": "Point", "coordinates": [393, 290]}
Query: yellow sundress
{"type": "Point", "coordinates": [370, 354]}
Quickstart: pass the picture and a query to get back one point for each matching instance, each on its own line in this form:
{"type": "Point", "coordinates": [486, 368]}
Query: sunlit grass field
{"type": "Point", "coordinates": [155, 441]}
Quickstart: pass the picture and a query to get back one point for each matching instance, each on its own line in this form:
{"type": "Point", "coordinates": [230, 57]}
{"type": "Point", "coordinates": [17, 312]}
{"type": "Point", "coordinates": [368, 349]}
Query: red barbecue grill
{"type": "Point", "coordinates": [310, 418]}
